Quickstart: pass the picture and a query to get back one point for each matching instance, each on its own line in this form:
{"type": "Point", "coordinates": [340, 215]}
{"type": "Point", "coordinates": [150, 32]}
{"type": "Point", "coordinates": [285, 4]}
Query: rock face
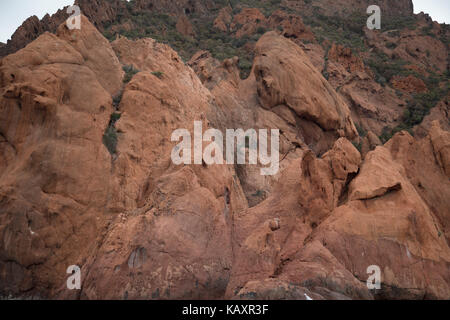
{"type": "Point", "coordinates": [295, 99]}
{"type": "Point", "coordinates": [285, 77]}
{"type": "Point", "coordinates": [176, 221]}
{"type": "Point", "coordinates": [247, 22]}
{"type": "Point", "coordinates": [426, 169]}
{"type": "Point", "coordinates": [304, 197]}
{"type": "Point", "coordinates": [347, 59]}
{"type": "Point", "coordinates": [55, 105]}
{"type": "Point", "coordinates": [329, 235]}
{"type": "Point", "coordinates": [381, 222]}
{"type": "Point", "coordinates": [292, 26]}
{"type": "Point", "coordinates": [372, 105]}
{"type": "Point", "coordinates": [60, 212]}
{"type": "Point", "coordinates": [86, 176]}
{"type": "Point", "coordinates": [369, 143]}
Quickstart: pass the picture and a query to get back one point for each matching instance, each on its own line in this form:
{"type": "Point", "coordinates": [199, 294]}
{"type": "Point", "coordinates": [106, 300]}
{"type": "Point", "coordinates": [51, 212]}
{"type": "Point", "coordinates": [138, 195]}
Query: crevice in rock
{"type": "Point", "coordinates": [343, 197]}
{"type": "Point", "coordinates": [110, 137]}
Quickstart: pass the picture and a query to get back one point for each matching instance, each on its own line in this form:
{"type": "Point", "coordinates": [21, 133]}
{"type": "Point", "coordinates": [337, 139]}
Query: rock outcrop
{"type": "Point", "coordinates": [285, 77]}
{"type": "Point", "coordinates": [409, 84]}
{"type": "Point", "coordinates": [325, 247]}
{"type": "Point", "coordinates": [87, 179]}
{"type": "Point", "coordinates": [283, 91]}
{"type": "Point", "coordinates": [55, 105]}
{"type": "Point", "coordinates": [184, 26]}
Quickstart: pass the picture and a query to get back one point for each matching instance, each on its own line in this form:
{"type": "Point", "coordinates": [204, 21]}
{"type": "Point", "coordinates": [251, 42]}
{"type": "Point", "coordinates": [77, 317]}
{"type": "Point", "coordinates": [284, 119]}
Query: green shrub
{"type": "Point", "coordinates": [385, 68]}
{"type": "Point", "coordinates": [417, 109]}
{"type": "Point", "coordinates": [361, 131]}
{"type": "Point", "coordinates": [345, 31]}
{"type": "Point", "coordinates": [358, 146]}
{"type": "Point", "coordinates": [117, 99]}
{"type": "Point", "coordinates": [394, 33]}
{"type": "Point", "coordinates": [158, 74]}
{"type": "Point", "coordinates": [398, 23]}
{"type": "Point", "coordinates": [130, 71]}
{"type": "Point", "coordinates": [110, 139]}
{"type": "Point", "coordinates": [421, 106]}
{"type": "Point", "coordinates": [391, 45]}
{"type": "Point", "coordinates": [261, 30]}
{"type": "Point", "coordinates": [115, 117]}
{"type": "Point", "coordinates": [427, 31]}
{"type": "Point", "coordinates": [386, 134]}
{"type": "Point", "coordinates": [246, 66]}
{"type": "Point", "coordinates": [259, 194]}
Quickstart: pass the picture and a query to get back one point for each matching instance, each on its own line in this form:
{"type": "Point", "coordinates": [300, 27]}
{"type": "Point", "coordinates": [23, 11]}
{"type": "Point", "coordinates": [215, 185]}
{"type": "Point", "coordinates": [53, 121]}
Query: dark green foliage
{"type": "Point", "coordinates": [391, 45]}
{"type": "Point", "coordinates": [259, 194]}
{"type": "Point", "coordinates": [417, 109]}
{"type": "Point", "coordinates": [261, 30]}
{"type": "Point", "coordinates": [385, 68]}
{"type": "Point", "coordinates": [394, 33]}
{"type": "Point", "coordinates": [158, 74]}
{"type": "Point", "coordinates": [110, 139]}
{"type": "Point", "coordinates": [361, 131]}
{"type": "Point", "coordinates": [130, 71]}
{"type": "Point", "coordinates": [427, 31]}
{"type": "Point", "coordinates": [420, 107]}
{"type": "Point", "coordinates": [386, 134]}
{"type": "Point", "coordinates": [117, 99]}
{"type": "Point", "coordinates": [398, 22]}
{"type": "Point", "coordinates": [357, 146]}
{"type": "Point", "coordinates": [246, 66]}
{"type": "Point", "coordinates": [348, 32]}
{"type": "Point", "coordinates": [115, 117]}
{"type": "Point", "coordinates": [224, 45]}
{"type": "Point", "coordinates": [325, 73]}
{"type": "Point", "coordinates": [162, 28]}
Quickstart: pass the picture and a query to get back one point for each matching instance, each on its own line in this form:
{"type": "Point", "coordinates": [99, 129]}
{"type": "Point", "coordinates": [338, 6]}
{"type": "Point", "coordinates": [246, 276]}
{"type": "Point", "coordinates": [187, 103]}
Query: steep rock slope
{"type": "Point", "coordinates": [317, 233]}
{"type": "Point", "coordinates": [55, 104]}
{"type": "Point", "coordinates": [172, 239]}
{"type": "Point", "coordinates": [283, 91]}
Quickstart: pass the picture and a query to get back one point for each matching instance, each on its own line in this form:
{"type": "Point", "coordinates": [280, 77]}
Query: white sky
{"type": "Point", "coordinates": [439, 10]}
{"type": "Point", "coordinates": [14, 12]}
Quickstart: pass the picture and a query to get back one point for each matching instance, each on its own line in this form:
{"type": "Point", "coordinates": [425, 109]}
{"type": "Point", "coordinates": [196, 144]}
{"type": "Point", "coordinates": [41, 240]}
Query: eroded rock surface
{"type": "Point", "coordinates": [55, 171]}
{"type": "Point", "coordinates": [141, 227]}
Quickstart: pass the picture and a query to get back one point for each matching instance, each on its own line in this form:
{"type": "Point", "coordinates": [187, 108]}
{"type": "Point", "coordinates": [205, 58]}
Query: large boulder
{"type": "Point", "coordinates": [285, 76]}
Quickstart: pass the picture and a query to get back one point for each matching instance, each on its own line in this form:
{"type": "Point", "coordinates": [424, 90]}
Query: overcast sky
{"type": "Point", "coordinates": [14, 12]}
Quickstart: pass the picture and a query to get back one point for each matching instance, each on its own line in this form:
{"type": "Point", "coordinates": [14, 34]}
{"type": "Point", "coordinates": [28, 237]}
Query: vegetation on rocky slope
{"type": "Point", "coordinates": [347, 31]}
